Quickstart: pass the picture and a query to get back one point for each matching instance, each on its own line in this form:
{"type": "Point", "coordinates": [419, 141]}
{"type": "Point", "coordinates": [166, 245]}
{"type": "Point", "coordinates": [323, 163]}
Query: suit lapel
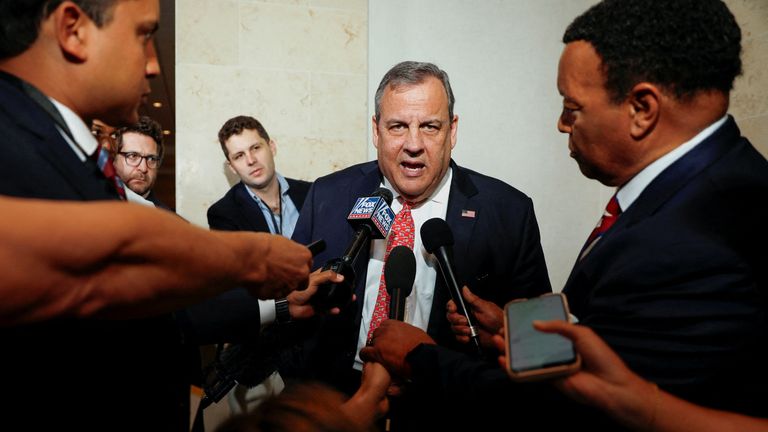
{"type": "Point", "coordinates": [298, 192]}
{"type": "Point", "coordinates": [84, 178]}
{"type": "Point", "coordinates": [460, 206]}
{"type": "Point", "coordinates": [249, 209]}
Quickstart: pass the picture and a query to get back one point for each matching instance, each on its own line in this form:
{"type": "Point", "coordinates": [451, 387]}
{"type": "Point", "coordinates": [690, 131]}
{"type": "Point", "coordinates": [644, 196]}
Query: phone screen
{"type": "Point", "coordinates": [529, 348]}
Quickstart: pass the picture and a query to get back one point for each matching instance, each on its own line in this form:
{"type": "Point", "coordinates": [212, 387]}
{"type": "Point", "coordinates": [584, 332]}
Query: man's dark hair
{"type": "Point", "coordinates": [410, 73]}
{"type": "Point", "coordinates": [145, 126]}
{"type": "Point", "coordinates": [684, 46]}
{"type": "Point", "coordinates": [236, 126]}
{"type": "Point", "coordinates": [20, 20]}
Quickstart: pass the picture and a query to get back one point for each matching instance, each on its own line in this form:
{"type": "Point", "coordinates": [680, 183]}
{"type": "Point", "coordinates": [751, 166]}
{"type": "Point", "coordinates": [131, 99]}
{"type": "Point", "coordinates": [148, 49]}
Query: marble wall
{"type": "Point", "coordinates": [299, 66]}
{"type": "Point", "coordinates": [749, 100]}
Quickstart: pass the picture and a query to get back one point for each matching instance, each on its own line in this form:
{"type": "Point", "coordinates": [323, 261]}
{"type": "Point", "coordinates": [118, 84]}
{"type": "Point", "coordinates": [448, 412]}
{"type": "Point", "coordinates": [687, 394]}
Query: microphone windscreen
{"type": "Point", "coordinates": [436, 233]}
{"type": "Point", "coordinates": [384, 193]}
{"type": "Point", "coordinates": [400, 270]}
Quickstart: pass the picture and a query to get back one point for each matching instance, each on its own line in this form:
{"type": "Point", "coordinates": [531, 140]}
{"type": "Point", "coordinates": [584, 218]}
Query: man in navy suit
{"type": "Point", "coordinates": [56, 75]}
{"type": "Point", "coordinates": [497, 248]}
{"type": "Point", "coordinates": [263, 201]}
{"type": "Point", "coordinates": [677, 285]}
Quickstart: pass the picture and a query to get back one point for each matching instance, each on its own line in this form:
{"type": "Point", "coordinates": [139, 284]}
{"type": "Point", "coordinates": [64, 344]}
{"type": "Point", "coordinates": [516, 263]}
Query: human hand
{"type": "Point", "coordinates": [370, 400]}
{"type": "Point", "coordinates": [299, 305]}
{"type": "Point", "coordinates": [489, 317]}
{"type": "Point", "coordinates": [374, 385]}
{"type": "Point", "coordinates": [391, 342]}
{"type": "Point", "coordinates": [279, 266]}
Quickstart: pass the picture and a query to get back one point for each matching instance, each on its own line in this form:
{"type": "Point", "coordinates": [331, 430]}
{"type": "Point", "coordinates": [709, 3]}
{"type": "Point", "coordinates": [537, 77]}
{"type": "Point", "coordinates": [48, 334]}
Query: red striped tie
{"type": "Point", "coordinates": [611, 214]}
{"type": "Point", "coordinates": [402, 234]}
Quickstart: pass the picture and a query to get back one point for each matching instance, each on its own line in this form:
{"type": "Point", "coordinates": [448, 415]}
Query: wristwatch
{"type": "Point", "coordinates": [282, 314]}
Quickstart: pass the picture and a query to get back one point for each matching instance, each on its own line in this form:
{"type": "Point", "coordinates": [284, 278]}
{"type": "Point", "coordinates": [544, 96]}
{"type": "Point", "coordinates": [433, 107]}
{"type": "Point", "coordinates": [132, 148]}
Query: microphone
{"type": "Point", "coordinates": [437, 238]}
{"type": "Point", "coordinates": [399, 274]}
{"type": "Point", "coordinates": [372, 218]}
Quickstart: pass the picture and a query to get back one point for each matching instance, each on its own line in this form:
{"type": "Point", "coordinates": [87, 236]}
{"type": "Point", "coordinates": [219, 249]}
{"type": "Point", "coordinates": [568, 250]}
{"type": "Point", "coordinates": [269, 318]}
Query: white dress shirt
{"type": "Point", "coordinates": [418, 305]}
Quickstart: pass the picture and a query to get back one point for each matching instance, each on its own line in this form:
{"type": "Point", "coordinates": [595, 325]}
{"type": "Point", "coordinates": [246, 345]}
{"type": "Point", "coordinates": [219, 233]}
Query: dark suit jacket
{"type": "Point", "coordinates": [677, 287]}
{"type": "Point", "coordinates": [89, 374]}
{"type": "Point", "coordinates": [237, 211]}
{"type": "Point", "coordinates": [497, 252]}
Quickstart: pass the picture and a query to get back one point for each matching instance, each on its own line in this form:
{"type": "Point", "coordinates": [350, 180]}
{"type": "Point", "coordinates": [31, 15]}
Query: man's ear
{"type": "Point", "coordinates": [71, 28]}
{"type": "Point", "coordinates": [273, 147]}
{"type": "Point", "coordinates": [375, 131]}
{"type": "Point", "coordinates": [231, 168]}
{"type": "Point", "coordinates": [644, 100]}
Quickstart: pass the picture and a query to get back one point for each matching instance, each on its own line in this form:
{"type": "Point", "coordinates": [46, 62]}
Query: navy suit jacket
{"type": "Point", "coordinates": [237, 211]}
{"type": "Point", "coordinates": [125, 373]}
{"type": "Point", "coordinates": [677, 287]}
{"type": "Point", "coordinates": [497, 252]}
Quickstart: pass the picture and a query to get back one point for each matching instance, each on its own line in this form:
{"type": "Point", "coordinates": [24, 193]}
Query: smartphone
{"type": "Point", "coordinates": [532, 354]}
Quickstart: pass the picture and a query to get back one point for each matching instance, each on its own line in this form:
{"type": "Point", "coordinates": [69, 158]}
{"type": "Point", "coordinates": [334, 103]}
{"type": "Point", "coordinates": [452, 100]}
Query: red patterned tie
{"type": "Point", "coordinates": [611, 214]}
{"type": "Point", "coordinates": [402, 234]}
{"type": "Point", "coordinates": [104, 161]}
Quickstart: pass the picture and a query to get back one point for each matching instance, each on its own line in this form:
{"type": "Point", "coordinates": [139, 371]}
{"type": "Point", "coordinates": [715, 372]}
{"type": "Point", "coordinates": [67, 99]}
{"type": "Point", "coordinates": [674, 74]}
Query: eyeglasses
{"type": "Point", "coordinates": [133, 159]}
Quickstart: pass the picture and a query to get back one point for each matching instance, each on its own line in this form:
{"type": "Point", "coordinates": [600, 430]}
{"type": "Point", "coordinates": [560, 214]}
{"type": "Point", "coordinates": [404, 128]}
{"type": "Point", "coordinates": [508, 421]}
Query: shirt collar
{"type": "Point", "coordinates": [84, 139]}
{"type": "Point", "coordinates": [283, 183]}
{"type": "Point", "coordinates": [440, 195]}
{"type": "Point", "coordinates": [280, 180]}
{"type": "Point", "coordinates": [628, 193]}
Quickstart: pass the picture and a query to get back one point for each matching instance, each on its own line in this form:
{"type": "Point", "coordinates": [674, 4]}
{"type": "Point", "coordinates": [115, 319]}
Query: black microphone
{"type": "Point", "coordinates": [399, 274]}
{"type": "Point", "coordinates": [372, 218]}
{"type": "Point", "coordinates": [437, 238]}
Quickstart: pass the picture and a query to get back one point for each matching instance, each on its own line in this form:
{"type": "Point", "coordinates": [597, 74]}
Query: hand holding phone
{"type": "Point", "coordinates": [531, 354]}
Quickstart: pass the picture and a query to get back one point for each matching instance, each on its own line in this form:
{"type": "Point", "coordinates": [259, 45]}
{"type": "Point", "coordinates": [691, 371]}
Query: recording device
{"type": "Point", "coordinates": [437, 238]}
{"type": "Point", "coordinates": [531, 354]}
{"type": "Point", "coordinates": [399, 274]}
{"type": "Point", "coordinates": [372, 218]}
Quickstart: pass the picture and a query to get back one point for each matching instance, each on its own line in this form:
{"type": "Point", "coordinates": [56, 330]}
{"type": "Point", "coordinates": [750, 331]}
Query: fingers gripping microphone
{"type": "Point", "coordinates": [399, 274]}
{"type": "Point", "coordinates": [372, 218]}
{"type": "Point", "coordinates": [437, 238]}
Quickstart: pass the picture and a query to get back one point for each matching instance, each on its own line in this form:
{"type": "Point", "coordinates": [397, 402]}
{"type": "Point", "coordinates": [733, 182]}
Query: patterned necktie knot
{"type": "Point", "coordinates": [609, 217]}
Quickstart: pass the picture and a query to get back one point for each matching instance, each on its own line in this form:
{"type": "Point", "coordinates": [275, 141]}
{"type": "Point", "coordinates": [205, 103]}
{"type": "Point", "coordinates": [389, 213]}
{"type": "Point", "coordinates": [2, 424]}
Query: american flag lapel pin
{"type": "Point", "coordinates": [468, 213]}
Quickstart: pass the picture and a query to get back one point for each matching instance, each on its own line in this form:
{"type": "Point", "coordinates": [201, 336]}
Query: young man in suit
{"type": "Point", "coordinates": [57, 74]}
{"type": "Point", "coordinates": [496, 237]}
{"type": "Point", "coordinates": [262, 201]}
{"type": "Point", "coordinates": [677, 285]}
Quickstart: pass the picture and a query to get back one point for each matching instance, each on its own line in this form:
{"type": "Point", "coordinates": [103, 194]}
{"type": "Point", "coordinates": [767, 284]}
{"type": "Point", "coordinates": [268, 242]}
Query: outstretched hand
{"type": "Point", "coordinates": [299, 304]}
{"type": "Point", "coordinates": [391, 342]}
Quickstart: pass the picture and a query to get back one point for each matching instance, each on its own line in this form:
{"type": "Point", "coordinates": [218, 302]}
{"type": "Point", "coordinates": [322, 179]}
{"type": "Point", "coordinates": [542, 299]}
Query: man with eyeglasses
{"type": "Point", "coordinates": [138, 158]}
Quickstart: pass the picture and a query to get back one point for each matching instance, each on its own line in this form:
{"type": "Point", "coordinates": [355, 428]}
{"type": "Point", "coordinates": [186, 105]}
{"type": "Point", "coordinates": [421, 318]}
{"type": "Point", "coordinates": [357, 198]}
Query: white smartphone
{"type": "Point", "coordinates": [532, 354]}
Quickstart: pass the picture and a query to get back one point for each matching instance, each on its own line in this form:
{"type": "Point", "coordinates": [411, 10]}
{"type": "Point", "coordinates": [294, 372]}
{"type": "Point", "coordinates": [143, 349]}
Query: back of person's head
{"type": "Point", "coordinates": [145, 126]}
{"type": "Point", "coordinates": [20, 20]}
{"type": "Point", "coordinates": [308, 407]}
{"type": "Point", "coordinates": [236, 126]}
{"type": "Point", "coordinates": [412, 73]}
{"type": "Point", "coordinates": [684, 46]}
